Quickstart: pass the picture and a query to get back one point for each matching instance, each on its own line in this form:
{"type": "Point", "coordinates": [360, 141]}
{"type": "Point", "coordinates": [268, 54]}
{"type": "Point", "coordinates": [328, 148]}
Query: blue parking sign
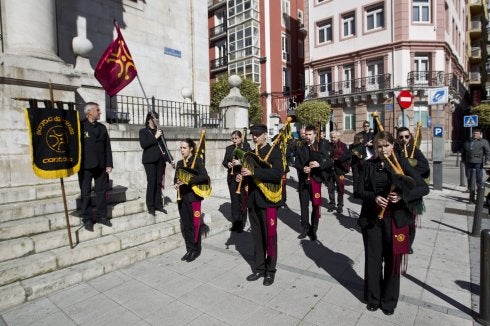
{"type": "Point", "coordinates": [438, 132]}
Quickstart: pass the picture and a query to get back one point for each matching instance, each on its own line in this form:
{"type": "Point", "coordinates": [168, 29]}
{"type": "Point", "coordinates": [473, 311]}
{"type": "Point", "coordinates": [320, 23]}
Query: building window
{"type": "Point", "coordinates": [301, 49]}
{"type": "Point", "coordinates": [300, 17]}
{"type": "Point", "coordinates": [375, 17]}
{"type": "Point", "coordinates": [421, 66]}
{"type": "Point", "coordinates": [420, 113]}
{"type": "Point", "coordinates": [349, 24]}
{"type": "Point", "coordinates": [325, 31]}
{"type": "Point", "coordinates": [325, 77]}
{"type": "Point", "coordinates": [349, 119]}
{"type": "Point", "coordinates": [375, 71]}
{"type": "Point", "coordinates": [348, 79]}
{"type": "Point", "coordinates": [421, 11]}
{"type": "Point", "coordinates": [286, 14]}
{"type": "Point", "coordinates": [285, 47]}
{"type": "Point", "coordinates": [249, 69]}
{"type": "Point", "coordinates": [286, 80]}
{"type": "Point", "coordinates": [243, 41]}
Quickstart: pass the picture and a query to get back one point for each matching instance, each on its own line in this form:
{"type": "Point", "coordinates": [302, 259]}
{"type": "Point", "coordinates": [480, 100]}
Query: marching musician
{"type": "Point", "coordinates": [404, 147]}
{"type": "Point", "coordinates": [312, 163]}
{"type": "Point", "coordinates": [367, 136]}
{"type": "Point", "coordinates": [154, 160]}
{"type": "Point", "coordinates": [336, 179]}
{"type": "Point", "coordinates": [358, 154]}
{"type": "Point", "coordinates": [233, 164]}
{"type": "Point", "coordinates": [262, 211]}
{"type": "Point", "coordinates": [189, 203]}
{"type": "Point", "coordinates": [388, 195]}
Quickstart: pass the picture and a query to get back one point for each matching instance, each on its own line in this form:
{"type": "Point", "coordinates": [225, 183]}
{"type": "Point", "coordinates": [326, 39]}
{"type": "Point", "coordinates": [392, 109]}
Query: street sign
{"type": "Point", "coordinates": [470, 121]}
{"type": "Point", "coordinates": [405, 99]}
{"type": "Point", "coordinates": [438, 132]}
{"type": "Point", "coordinates": [438, 96]}
{"type": "Point", "coordinates": [429, 121]}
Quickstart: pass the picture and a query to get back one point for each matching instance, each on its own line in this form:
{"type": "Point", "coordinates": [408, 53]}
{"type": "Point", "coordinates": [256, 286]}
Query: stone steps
{"type": "Point", "coordinates": [64, 267]}
{"type": "Point", "coordinates": [37, 192]}
{"type": "Point", "coordinates": [46, 206]}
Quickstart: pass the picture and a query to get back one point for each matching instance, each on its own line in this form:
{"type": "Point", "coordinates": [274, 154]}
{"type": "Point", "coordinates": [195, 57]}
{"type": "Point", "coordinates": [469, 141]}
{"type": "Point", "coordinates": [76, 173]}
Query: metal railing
{"type": "Point", "coordinates": [218, 63]}
{"type": "Point", "coordinates": [426, 78]}
{"type": "Point", "coordinates": [358, 85]}
{"type": "Point", "coordinates": [217, 30]}
{"type": "Point", "coordinates": [133, 110]}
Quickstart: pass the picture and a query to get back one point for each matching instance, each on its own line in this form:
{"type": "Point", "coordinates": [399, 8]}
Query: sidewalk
{"type": "Point", "coordinates": [317, 283]}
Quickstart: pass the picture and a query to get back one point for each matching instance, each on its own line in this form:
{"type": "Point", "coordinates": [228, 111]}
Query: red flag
{"type": "Point", "coordinates": [116, 68]}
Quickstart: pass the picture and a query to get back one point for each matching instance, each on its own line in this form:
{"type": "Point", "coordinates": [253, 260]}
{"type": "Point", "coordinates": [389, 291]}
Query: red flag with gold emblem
{"type": "Point", "coordinates": [116, 68]}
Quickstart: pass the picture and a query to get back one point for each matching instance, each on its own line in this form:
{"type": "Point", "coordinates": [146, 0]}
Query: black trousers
{"type": "Point", "coordinates": [85, 181]}
{"type": "Point", "coordinates": [334, 183]}
{"type": "Point", "coordinates": [154, 176]}
{"type": "Point", "coordinates": [381, 285]}
{"type": "Point", "coordinates": [355, 175]}
{"type": "Point", "coordinates": [187, 226]}
{"type": "Point", "coordinates": [305, 197]}
{"type": "Point", "coordinates": [258, 220]}
{"type": "Point", "coordinates": [237, 213]}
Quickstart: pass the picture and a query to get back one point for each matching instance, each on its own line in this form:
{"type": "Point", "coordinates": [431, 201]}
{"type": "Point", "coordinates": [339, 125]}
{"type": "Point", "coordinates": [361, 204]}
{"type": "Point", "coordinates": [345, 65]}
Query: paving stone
{"type": "Point", "coordinates": [11, 295]}
{"type": "Point", "coordinates": [30, 312]}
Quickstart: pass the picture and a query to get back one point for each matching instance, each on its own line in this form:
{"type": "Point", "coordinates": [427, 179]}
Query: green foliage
{"type": "Point", "coordinates": [248, 89]}
{"type": "Point", "coordinates": [483, 113]}
{"type": "Point", "coordinates": [310, 112]}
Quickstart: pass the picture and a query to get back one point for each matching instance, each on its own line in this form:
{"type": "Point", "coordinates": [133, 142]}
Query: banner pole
{"type": "Point", "coordinates": [63, 194]}
{"type": "Point", "coordinates": [164, 141]}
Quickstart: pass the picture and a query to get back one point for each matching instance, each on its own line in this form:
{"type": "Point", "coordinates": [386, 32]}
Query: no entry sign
{"type": "Point", "coordinates": [405, 99]}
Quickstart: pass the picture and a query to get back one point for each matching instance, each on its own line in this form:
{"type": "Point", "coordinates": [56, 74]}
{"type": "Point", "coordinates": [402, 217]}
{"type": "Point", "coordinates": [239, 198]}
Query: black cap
{"type": "Point", "coordinates": [258, 129]}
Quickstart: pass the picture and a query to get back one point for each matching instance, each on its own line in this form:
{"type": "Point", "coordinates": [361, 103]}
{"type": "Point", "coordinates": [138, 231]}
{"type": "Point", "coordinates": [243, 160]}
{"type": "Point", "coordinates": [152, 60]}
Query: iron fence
{"type": "Point", "coordinates": [133, 110]}
{"type": "Point", "coordinates": [351, 86]}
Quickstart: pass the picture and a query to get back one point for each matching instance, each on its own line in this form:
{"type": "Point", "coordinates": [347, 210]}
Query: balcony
{"type": "Point", "coordinates": [475, 54]}
{"type": "Point", "coordinates": [426, 78]}
{"type": "Point", "coordinates": [474, 78]}
{"type": "Point", "coordinates": [475, 28]}
{"type": "Point", "coordinates": [476, 6]}
{"type": "Point", "coordinates": [214, 4]}
{"type": "Point", "coordinates": [352, 86]}
{"type": "Point", "coordinates": [218, 64]}
{"type": "Point", "coordinates": [217, 32]}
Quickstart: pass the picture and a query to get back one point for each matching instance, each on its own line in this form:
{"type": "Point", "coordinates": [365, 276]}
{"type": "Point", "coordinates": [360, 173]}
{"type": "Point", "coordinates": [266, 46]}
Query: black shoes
{"type": "Point", "coordinates": [340, 209]}
{"type": "Point", "coordinates": [186, 256]}
{"type": "Point", "coordinates": [411, 251]}
{"type": "Point", "coordinates": [268, 279]}
{"type": "Point", "coordinates": [388, 312]}
{"type": "Point", "coordinates": [151, 212]}
{"type": "Point", "coordinates": [193, 255]}
{"type": "Point", "coordinates": [104, 221]}
{"type": "Point", "coordinates": [254, 276]}
{"type": "Point", "coordinates": [303, 234]}
{"type": "Point", "coordinates": [330, 207]}
{"type": "Point", "coordinates": [312, 235]}
{"type": "Point", "coordinates": [372, 307]}
{"type": "Point", "coordinates": [237, 227]}
{"type": "Point", "coordinates": [89, 226]}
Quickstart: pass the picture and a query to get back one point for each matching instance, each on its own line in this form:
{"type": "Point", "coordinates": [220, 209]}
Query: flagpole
{"type": "Point", "coordinates": [62, 183]}
{"type": "Point", "coordinates": [164, 141]}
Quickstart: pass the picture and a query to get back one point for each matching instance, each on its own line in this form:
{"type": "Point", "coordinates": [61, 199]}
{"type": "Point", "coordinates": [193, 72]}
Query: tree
{"type": "Point", "coordinates": [483, 113]}
{"type": "Point", "coordinates": [310, 112]}
{"type": "Point", "coordinates": [248, 89]}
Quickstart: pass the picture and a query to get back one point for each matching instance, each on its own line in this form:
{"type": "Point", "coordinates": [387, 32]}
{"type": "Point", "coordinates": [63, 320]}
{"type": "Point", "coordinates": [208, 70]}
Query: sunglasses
{"type": "Point", "coordinates": [406, 137]}
{"type": "Point", "coordinates": [366, 126]}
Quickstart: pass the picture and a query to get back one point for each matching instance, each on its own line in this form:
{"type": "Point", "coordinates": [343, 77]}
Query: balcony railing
{"type": "Point", "coordinates": [133, 110]}
{"type": "Point", "coordinates": [476, 6]}
{"type": "Point", "coordinates": [217, 30]}
{"type": "Point", "coordinates": [352, 86]}
{"type": "Point", "coordinates": [426, 78]}
{"type": "Point", "coordinates": [219, 63]}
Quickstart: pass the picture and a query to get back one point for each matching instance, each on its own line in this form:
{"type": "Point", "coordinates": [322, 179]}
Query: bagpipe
{"type": "Point", "coordinates": [400, 181]}
{"type": "Point", "coordinates": [233, 156]}
{"type": "Point", "coordinates": [251, 160]}
{"type": "Point", "coordinates": [184, 174]}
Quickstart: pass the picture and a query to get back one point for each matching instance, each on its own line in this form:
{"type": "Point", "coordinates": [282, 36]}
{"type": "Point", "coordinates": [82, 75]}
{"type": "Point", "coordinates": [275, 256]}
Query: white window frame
{"type": "Point", "coordinates": [325, 29]}
{"type": "Point", "coordinates": [419, 63]}
{"type": "Point", "coordinates": [377, 13]}
{"type": "Point", "coordinates": [286, 78]}
{"type": "Point", "coordinates": [418, 7]}
{"type": "Point", "coordinates": [349, 24]}
{"type": "Point", "coordinates": [348, 80]}
{"type": "Point", "coordinates": [286, 47]}
{"type": "Point", "coordinates": [285, 13]}
{"type": "Point", "coordinates": [349, 118]}
{"type": "Point", "coordinates": [325, 82]}
{"type": "Point", "coordinates": [420, 111]}
{"type": "Point", "coordinates": [374, 69]}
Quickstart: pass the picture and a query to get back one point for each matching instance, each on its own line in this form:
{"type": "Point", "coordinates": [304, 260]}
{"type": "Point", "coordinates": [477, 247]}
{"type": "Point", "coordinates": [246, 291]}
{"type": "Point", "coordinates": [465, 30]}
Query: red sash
{"type": "Point", "coordinates": [271, 220]}
{"type": "Point", "coordinates": [401, 248]}
{"type": "Point", "coordinates": [316, 194]}
{"type": "Point", "coordinates": [196, 213]}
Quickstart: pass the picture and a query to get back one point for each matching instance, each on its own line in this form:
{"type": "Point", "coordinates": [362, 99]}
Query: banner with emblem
{"type": "Point", "coordinates": [116, 68]}
{"type": "Point", "coordinates": [55, 141]}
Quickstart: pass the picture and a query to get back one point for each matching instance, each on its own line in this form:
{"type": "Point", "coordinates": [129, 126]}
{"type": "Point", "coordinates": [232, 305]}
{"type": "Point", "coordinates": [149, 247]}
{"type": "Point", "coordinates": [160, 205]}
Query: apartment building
{"type": "Point", "coordinates": [262, 40]}
{"type": "Point", "coordinates": [361, 53]}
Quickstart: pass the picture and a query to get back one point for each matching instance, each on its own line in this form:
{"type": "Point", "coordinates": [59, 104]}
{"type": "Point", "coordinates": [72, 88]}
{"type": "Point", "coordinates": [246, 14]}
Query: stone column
{"type": "Point", "coordinates": [234, 107]}
{"type": "Point", "coordinates": [30, 28]}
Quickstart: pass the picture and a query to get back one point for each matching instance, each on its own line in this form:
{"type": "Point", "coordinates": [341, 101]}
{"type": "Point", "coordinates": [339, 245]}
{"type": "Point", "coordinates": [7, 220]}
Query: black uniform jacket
{"type": "Point", "coordinates": [320, 152]}
{"type": "Point", "coordinates": [229, 157]}
{"type": "Point", "coordinates": [96, 146]}
{"type": "Point", "coordinates": [200, 177]}
{"type": "Point", "coordinates": [422, 167]}
{"type": "Point", "coordinates": [266, 175]}
{"type": "Point", "coordinates": [151, 151]}
{"type": "Point", "coordinates": [342, 158]}
{"type": "Point", "coordinates": [368, 192]}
